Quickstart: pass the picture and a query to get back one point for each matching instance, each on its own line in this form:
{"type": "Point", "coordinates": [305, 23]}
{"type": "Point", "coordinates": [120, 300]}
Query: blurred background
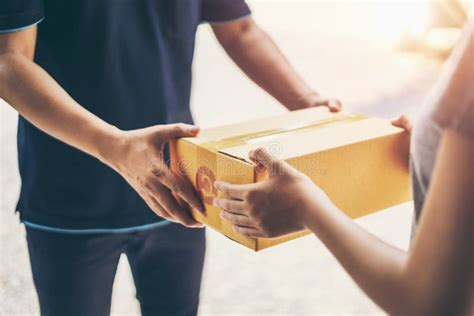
{"type": "Point", "coordinates": [379, 57]}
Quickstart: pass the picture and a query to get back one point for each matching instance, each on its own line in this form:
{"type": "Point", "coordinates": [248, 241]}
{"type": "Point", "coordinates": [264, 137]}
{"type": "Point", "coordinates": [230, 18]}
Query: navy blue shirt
{"type": "Point", "coordinates": [128, 62]}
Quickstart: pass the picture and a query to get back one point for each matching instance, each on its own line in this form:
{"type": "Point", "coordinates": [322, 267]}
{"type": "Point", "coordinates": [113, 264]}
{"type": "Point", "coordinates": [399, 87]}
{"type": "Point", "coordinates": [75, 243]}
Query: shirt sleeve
{"type": "Point", "coordinates": [219, 11]}
{"type": "Point", "coordinates": [454, 99]}
{"type": "Point", "coordinates": [16, 15]}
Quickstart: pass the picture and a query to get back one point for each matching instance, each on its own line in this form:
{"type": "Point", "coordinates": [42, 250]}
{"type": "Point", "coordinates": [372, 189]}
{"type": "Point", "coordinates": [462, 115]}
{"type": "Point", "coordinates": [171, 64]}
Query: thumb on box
{"type": "Point", "coordinates": [274, 165]}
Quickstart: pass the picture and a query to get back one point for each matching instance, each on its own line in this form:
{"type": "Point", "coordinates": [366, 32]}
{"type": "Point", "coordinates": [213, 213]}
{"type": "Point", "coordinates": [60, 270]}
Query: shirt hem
{"type": "Point", "coordinates": [124, 230]}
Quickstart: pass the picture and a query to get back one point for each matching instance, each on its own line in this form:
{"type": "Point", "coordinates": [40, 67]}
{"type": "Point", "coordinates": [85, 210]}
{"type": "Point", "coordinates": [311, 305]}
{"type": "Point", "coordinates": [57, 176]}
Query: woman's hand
{"type": "Point", "coordinates": [137, 155]}
{"type": "Point", "coordinates": [274, 207]}
{"type": "Point", "coordinates": [403, 122]}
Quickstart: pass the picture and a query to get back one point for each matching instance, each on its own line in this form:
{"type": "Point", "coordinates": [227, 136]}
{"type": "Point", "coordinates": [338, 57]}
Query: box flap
{"type": "Point", "coordinates": [248, 129]}
{"type": "Point", "coordinates": [313, 138]}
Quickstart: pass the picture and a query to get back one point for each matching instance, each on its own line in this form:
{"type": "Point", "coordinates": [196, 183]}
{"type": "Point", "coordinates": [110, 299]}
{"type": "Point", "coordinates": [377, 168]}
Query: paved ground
{"type": "Point", "coordinates": [336, 48]}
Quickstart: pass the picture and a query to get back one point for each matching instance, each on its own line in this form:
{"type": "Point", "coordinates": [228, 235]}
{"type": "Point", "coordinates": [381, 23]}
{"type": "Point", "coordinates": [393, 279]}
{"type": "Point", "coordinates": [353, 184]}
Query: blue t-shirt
{"type": "Point", "coordinates": [128, 62]}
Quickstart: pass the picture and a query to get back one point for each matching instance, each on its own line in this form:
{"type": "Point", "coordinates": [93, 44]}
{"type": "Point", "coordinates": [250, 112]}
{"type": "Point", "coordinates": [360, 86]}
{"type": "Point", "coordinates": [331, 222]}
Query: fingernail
{"type": "Point", "coordinates": [221, 215]}
{"type": "Point", "coordinates": [216, 184]}
{"type": "Point", "coordinates": [215, 202]}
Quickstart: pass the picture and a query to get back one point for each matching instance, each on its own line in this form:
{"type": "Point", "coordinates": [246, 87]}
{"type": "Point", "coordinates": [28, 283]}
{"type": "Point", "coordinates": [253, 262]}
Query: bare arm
{"type": "Point", "coordinates": [136, 155]}
{"type": "Point", "coordinates": [263, 62]}
{"type": "Point", "coordinates": [34, 94]}
{"type": "Point", "coordinates": [435, 277]}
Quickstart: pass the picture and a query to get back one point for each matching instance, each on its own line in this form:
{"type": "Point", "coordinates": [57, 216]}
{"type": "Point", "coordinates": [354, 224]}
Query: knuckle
{"type": "Point", "coordinates": [177, 188]}
{"type": "Point", "coordinates": [238, 229]}
{"type": "Point", "coordinates": [242, 231]}
{"type": "Point", "coordinates": [159, 138]}
{"type": "Point", "coordinates": [224, 215]}
{"type": "Point", "coordinates": [157, 172]}
{"type": "Point", "coordinates": [178, 128]}
{"type": "Point", "coordinates": [251, 196]}
{"type": "Point", "coordinates": [160, 201]}
{"type": "Point", "coordinates": [231, 218]}
{"type": "Point", "coordinates": [225, 190]}
{"type": "Point", "coordinates": [140, 181]}
{"type": "Point", "coordinates": [147, 186]}
{"type": "Point", "coordinates": [224, 204]}
{"type": "Point", "coordinates": [228, 205]}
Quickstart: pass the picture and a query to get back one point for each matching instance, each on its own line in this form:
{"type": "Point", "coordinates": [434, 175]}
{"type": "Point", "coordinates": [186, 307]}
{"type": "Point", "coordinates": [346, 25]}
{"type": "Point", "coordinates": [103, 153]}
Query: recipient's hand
{"type": "Point", "coordinates": [403, 122]}
{"type": "Point", "coordinates": [274, 207]}
{"type": "Point", "coordinates": [138, 157]}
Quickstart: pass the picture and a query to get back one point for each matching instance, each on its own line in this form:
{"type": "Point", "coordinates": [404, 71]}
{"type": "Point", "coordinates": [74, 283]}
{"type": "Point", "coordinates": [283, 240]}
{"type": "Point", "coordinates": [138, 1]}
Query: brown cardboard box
{"type": "Point", "coordinates": [360, 162]}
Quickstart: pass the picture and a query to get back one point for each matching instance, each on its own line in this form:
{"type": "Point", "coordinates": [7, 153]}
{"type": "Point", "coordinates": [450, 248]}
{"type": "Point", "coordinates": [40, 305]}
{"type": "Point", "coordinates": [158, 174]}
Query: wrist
{"type": "Point", "coordinates": [315, 208]}
{"type": "Point", "coordinates": [109, 145]}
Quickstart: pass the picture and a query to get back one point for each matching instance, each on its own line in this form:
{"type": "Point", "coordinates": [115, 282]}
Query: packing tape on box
{"type": "Point", "coordinates": [243, 139]}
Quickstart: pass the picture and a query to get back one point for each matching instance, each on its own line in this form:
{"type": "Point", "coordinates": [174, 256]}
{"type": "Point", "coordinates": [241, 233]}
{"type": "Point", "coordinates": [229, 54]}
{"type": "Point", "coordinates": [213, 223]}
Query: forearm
{"type": "Point", "coordinates": [374, 265]}
{"type": "Point", "coordinates": [40, 99]}
{"type": "Point", "coordinates": [433, 278]}
{"type": "Point", "coordinates": [263, 62]}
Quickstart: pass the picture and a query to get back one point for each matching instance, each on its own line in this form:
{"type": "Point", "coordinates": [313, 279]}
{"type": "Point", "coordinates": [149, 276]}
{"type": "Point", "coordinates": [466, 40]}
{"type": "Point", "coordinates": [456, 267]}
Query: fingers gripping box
{"type": "Point", "coordinates": [360, 162]}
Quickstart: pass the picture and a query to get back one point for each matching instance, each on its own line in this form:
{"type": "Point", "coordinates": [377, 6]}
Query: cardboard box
{"type": "Point", "coordinates": [360, 162]}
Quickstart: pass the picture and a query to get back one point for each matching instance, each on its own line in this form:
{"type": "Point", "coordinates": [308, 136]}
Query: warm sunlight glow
{"type": "Point", "coordinates": [401, 18]}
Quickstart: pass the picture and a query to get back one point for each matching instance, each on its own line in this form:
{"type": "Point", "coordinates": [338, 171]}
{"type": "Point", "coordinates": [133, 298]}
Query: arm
{"type": "Point", "coordinates": [263, 62]}
{"type": "Point", "coordinates": [136, 155]}
{"type": "Point", "coordinates": [38, 98]}
{"type": "Point", "coordinates": [435, 277]}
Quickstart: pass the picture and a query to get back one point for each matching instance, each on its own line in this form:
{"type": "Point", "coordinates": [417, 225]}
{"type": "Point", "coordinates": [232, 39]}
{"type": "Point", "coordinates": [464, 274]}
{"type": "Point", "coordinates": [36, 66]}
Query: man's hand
{"type": "Point", "coordinates": [137, 155]}
{"type": "Point", "coordinates": [313, 99]}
